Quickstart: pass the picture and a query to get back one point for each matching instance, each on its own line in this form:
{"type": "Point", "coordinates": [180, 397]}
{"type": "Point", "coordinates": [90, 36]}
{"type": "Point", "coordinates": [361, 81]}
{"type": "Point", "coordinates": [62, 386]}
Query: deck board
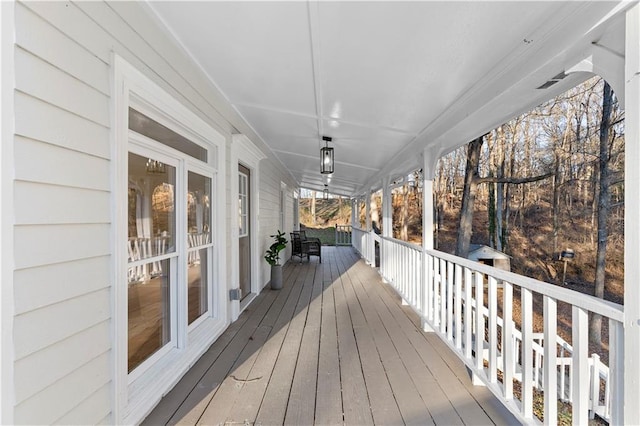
{"type": "Point", "coordinates": [334, 346]}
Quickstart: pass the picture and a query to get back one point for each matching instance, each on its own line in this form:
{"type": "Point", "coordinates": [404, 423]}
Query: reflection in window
{"type": "Point", "coordinates": [149, 320]}
{"type": "Point", "coordinates": [197, 284]}
{"type": "Point", "coordinates": [199, 235]}
{"type": "Point", "coordinates": [151, 230]}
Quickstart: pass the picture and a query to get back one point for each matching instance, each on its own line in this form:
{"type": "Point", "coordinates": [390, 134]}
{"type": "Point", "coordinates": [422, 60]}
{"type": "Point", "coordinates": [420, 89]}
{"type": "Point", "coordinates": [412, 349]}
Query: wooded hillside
{"type": "Point", "coordinates": [539, 190]}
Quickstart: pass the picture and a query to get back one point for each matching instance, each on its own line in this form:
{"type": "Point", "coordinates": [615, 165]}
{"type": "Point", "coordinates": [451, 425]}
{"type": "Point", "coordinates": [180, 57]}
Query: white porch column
{"type": "Point", "coordinates": [428, 171]}
{"type": "Point", "coordinates": [367, 211]}
{"type": "Point", "coordinates": [387, 210]}
{"type": "Point", "coordinates": [387, 226]}
{"type": "Point", "coordinates": [354, 213]}
{"type": "Point", "coordinates": [632, 219]}
{"type": "Point", "coordinates": [370, 250]}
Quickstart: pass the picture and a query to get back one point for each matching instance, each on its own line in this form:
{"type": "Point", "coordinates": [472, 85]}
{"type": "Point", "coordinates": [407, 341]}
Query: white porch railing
{"type": "Point", "coordinates": [446, 290]}
{"type": "Point", "coordinates": [343, 235]}
{"type": "Point", "coordinates": [363, 242]}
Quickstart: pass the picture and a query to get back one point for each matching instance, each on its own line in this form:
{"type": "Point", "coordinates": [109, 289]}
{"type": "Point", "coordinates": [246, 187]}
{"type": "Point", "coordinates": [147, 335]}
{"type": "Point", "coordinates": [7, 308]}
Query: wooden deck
{"type": "Point", "coordinates": [334, 346]}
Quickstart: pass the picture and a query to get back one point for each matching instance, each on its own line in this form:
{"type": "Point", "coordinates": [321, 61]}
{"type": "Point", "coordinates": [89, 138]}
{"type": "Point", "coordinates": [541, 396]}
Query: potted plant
{"type": "Point", "coordinates": [272, 256]}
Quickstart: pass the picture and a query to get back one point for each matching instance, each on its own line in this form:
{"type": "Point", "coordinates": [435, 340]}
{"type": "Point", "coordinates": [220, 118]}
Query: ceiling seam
{"type": "Point", "coordinates": [314, 41]}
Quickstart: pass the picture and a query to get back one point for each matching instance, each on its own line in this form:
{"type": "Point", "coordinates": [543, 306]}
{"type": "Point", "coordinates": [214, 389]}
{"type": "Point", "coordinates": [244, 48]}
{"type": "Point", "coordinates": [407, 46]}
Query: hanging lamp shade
{"type": "Point", "coordinates": [325, 192]}
{"type": "Point", "coordinates": [326, 157]}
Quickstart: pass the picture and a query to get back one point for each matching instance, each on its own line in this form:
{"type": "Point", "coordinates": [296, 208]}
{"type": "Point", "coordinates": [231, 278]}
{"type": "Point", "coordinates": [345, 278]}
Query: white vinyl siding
{"type": "Point", "coordinates": [62, 203]}
{"type": "Point", "coordinates": [270, 218]}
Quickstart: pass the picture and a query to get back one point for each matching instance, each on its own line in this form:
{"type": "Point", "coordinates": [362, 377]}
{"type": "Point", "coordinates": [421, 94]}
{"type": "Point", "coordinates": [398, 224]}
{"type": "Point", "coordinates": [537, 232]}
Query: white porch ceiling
{"type": "Point", "coordinates": [385, 79]}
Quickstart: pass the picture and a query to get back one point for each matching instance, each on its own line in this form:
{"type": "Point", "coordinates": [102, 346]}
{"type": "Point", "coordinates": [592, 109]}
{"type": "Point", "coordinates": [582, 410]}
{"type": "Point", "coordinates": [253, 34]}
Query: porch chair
{"type": "Point", "coordinates": [302, 246]}
{"type": "Point", "coordinates": [296, 245]}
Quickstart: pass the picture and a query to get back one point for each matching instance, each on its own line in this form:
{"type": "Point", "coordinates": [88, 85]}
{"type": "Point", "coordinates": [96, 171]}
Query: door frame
{"type": "Point", "coordinates": [243, 151]}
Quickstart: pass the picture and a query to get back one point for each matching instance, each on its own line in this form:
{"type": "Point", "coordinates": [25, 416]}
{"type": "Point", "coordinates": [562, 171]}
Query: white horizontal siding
{"type": "Point", "coordinates": [40, 162]}
{"type": "Point", "coordinates": [36, 36]}
{"type": "Point", "coordinates": [48, 123]}
{"type": "Point", "coordinates": [75, 24]}
{"type": "Point", "coordinates": [34, 372]}
{"type": "Point", "coordinates": [38, 287]}
{"type": "Point", "coordinates": [106, 421]}
{"type": "Point", "coordinates": [93, 410]}
{"type": "Point", "coordinates": [68, 92]}
{"type": "Point", "coordinates": [37, 245]}
{"type": "Point", "coordinates": [43, 327]}
{"type": "Point", "coordinates": [270, 179]}
{"type": "Point", "coordinates": [37, 203]}
{"type": "Point", "coordinates": [63, 396]}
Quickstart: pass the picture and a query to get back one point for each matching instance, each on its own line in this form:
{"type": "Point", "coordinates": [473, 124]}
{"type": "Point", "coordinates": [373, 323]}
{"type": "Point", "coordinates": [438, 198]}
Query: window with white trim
{"type": "Point", "coordinates": [169, 261]}
{"type": "Point", "coordinates": [169, 239]}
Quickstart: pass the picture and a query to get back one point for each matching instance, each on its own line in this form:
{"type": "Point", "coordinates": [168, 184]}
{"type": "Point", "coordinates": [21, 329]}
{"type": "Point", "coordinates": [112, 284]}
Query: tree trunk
{"type": "Point", "coordinates": [500, 188]}
{"type": "Point", "coordinates": [375, 214]}
{"type": "Point", "coordinates": [556, 203]}
{"type": "Point", "coordinates": [404, 214]}
{"type": "Point", "coordinates": [595, 329]}
{"type": "Point", "coordinates": [468, 197]}
{"type": "Point", "coordinates": [491, 210]}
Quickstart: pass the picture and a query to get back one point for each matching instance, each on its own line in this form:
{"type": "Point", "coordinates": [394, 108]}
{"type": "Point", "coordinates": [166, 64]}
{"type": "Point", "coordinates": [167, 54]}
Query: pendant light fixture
{"type": "Point", "coordinates": [326, 157]}
{"type": "Point", "coordinates": [325, 192]}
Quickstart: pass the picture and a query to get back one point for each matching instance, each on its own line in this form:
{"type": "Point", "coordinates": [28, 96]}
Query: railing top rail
{"type": "Point", "coordinates": [585, 301]}
{"type": "Point", "coordinates": [407, 244]}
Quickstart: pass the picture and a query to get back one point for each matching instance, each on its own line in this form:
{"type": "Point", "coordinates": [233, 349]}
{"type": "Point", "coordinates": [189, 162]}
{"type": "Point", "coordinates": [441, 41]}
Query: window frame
{"type": "Point", "coordinates": [143, 146]}
{"type": "Point", "coordinates": [244, 214]}
{"type": "Point", "coordinates": [211, 308]}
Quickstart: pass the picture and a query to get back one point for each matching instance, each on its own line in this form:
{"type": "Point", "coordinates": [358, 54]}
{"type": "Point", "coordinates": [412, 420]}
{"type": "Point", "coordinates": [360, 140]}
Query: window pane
{"type": "Point", "coordinates": [152, 217]}
{"type": "Point", "coordinates": [150, 128]}
{"type": "Point", "coordinates": [149, 311]}
{"type": "Point", "coordinates": [198, 210]}
{"type": "Point", "coordinates": [197, 282]}
{"type": "Point", "coordinates": [243, 205]}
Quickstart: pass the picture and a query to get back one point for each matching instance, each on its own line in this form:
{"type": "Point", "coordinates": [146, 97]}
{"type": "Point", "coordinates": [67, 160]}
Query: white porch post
{"type": "Point", "coordinates": [387, 225]}
{"type": "Point", "coordinates": [428, 170]}
{"type": "Point", "coordinates": [354, 214]}
{"type": "Point", "coordinates": [632, 219]}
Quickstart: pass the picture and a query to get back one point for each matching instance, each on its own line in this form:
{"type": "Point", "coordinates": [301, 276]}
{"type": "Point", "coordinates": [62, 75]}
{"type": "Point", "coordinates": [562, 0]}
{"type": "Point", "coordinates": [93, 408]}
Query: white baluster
{"type": "Point", "coordinates": [550, 361]}
{"type": "Point", "coordinates": [508, 350]}
{"type": "Point", "coordinates": [527, 353]}
{"type": "Point", "coordinates": [479, 347]}
{"type": "Point", "coordinates": [468, 325]}
{"type": "Point", "coordinates": [493, 330]}
{"type": "Point", "coordinates": [580, 340]}
{"type": "Point", "coordinates": [458, 306]}
{"type": "Point", "coordinates": [450, 278]}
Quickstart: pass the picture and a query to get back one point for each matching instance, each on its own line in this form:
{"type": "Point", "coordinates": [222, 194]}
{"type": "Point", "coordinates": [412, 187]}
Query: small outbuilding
{"type": "Point", "coordinates": [489, 256]}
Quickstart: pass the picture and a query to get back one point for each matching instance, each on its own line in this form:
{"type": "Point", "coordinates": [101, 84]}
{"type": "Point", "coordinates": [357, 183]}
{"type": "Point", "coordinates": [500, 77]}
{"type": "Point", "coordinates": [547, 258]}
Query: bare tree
{"type": "Point", "coordinates": [465, 222]}
{"type": "Point", "coordinates": [595, 329]}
